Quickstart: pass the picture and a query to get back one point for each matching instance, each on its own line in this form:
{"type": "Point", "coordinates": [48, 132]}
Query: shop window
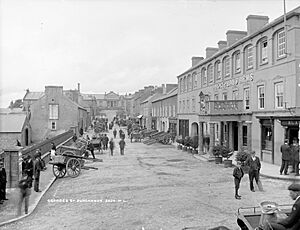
{"type": "Point", "coordinates": [267, 137]}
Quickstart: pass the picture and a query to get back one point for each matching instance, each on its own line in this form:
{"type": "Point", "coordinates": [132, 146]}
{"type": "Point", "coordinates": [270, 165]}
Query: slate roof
{"type": "Point", "coordinates": [33, 95]}
{"type": "Point", "coordinates": [171, 93]}
{"type": "Point", "coordinates": [12, 123]}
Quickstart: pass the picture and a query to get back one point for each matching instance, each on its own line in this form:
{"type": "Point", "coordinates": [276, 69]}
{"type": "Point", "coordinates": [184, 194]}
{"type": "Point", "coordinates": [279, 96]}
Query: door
{"type": "Point", "coordinates": [235, 131]}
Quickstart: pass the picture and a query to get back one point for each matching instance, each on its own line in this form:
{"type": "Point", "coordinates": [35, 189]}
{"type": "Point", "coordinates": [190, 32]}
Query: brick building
{"type": "Point", "coordinates": [246, 92]}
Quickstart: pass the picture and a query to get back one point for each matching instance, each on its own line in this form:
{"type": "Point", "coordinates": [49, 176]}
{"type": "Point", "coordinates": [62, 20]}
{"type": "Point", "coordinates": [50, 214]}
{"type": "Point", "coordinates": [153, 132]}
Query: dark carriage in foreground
{"type": "Point", "coordinates": [70, 160]}
{"type": "Point", "coordinates": [253, 218]}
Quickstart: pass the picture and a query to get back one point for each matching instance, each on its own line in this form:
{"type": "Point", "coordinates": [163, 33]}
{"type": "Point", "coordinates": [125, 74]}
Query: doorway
{"type": "Point", "coordinates": [292, 132]}
{"type": "Point", "coordinates": [235, 131]}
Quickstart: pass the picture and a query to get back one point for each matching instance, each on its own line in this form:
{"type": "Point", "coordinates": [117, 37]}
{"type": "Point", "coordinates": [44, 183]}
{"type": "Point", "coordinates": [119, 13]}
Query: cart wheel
{"type": "Point", "coordinates": [73, 167]}
{"type": "Point", "coordinates": [59, 171]}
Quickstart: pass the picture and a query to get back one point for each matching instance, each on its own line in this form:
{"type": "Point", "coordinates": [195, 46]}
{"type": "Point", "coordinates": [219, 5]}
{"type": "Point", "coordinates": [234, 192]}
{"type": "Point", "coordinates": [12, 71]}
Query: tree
{"type": "Point", "coordinates": [17, 104]}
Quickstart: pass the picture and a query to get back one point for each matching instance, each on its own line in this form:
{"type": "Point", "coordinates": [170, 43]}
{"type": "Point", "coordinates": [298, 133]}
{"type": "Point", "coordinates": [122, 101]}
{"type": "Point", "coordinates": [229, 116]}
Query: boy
{"type": "Point", "coordinates": [237, 174]}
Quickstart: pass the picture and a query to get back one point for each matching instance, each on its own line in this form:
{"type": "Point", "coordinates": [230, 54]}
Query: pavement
{"type": "Point", "coordinates": [8, 210]}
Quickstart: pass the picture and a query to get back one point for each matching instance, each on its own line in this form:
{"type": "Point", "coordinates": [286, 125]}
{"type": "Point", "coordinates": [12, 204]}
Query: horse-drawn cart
{"type": "Point", "coordinates": [70, 160]}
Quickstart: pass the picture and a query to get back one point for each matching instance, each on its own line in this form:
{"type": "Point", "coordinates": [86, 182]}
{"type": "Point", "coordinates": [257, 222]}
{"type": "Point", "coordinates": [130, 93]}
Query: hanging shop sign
{"type": "Point", "coordinates": [243, 79]}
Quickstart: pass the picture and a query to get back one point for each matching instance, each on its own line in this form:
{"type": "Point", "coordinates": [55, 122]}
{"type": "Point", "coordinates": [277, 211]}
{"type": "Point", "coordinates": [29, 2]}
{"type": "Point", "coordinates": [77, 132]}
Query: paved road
{"type": "Point", "coordinates": [151, 187]}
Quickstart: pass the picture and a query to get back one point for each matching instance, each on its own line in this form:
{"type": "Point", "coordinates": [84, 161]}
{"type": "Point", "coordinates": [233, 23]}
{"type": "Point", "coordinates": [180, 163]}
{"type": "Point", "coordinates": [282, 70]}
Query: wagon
{"type": "Point", "coordinates": [137, 136]}
{"type": "Point", "coordinates": [248, 218]}
{"type": "Point", "coordinates": [70, 160]}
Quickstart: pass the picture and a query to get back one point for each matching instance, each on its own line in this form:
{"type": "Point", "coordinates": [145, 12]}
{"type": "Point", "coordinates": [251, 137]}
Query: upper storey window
{"type": "Point", "coordinates": [237, 62]}
{"type": "Point", "coordinates": [218, 70]}
{"type": "Point", "coordinates": [190, 83]}
{"type": "Point", "coordinates": [264, 51]}
{"type": "Point", "coordinates": [281, 44]}
{"type": "Point", "coordinates": [185, 84]}
{"type": "Point", "coordinates": [226, 67]}
{"type": "Point", "coordinates": [203, 76]}
{"type": "Point", "coordinates": [195, 80]}
{"type": "Point", "coordinates": [53, 111]}
{"type": "Point", "coordinates": [249, 57]}
{"type": "Point", "coordinates": [210, 75]}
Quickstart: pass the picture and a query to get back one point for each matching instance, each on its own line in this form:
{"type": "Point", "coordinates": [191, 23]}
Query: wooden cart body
{"type": "Point", "coordinates": [70, 159]}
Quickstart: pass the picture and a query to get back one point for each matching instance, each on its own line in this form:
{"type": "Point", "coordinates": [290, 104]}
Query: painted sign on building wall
{"type": "Point", "coordinates": [232, 82]}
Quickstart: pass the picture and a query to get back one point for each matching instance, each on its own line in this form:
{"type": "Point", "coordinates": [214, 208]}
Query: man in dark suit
{"type": "Point", "coordinates": [2, 182]}
{"type": "Point", "coordinates": [254, 167]}
{"type": "Point", "coordinates": [37, 170]}
{"type": "Point", "coordinates": [286, 154]}
{"type": "Point", "coordinates": [292, 222]}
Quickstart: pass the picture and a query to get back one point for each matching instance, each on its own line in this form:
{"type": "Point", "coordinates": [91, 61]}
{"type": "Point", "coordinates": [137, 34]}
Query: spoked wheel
{"type": "Point", "coordinates": [73, 167]}
{"type": "Point", "coordinates": [59, 170]}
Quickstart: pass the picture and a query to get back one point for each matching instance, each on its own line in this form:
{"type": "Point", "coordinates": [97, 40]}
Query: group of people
{"type": "Point", "coordinates": [105, 143]}
{"type": "Point", "coordinates": [290, 155]}
{"type": "Point", "coordinates": [31, 170]}
{"type": "Point", "coordinates": [253, 162]}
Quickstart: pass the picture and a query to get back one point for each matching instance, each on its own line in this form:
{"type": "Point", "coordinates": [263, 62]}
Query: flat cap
{"type": "Point", "coordinates": [294, 187]}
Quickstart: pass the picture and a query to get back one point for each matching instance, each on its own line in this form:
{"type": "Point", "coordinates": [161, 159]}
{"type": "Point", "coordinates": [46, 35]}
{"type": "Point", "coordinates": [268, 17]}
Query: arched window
{"type": "Point", "coordinates": [210, 75]}
{"type": "Point", "coordinates": [226, 66]}
{"type": "Point", "coordinates": [218, 70]}
{"type": "Point", "coordinates": [203, 76]}
{"type": "Point", "coordinates": [195, 80]}
{"type": "Point", "coordinates": [249, 57]}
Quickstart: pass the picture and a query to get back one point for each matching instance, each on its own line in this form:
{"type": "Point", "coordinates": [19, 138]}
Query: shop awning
{"type": "Point", "coordinates": [139, 116]}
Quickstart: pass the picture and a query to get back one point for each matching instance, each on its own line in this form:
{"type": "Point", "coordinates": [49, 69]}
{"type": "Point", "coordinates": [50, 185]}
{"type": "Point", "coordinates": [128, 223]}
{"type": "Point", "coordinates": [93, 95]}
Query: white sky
{"type": "Point", "coordinates": [112, 45]}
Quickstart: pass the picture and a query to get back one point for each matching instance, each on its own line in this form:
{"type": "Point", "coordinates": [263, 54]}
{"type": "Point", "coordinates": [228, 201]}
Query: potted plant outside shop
{"type": "Point", "coordinates": [217, 152]}
{"type": "Point", "coordinates": [227, 153]}
{"type": "Point", "coordinates": [179, 142]}
{"type": "Point", "coordinates": [195, 144]}
{"type": "Point", "coordinates": [188, 143]}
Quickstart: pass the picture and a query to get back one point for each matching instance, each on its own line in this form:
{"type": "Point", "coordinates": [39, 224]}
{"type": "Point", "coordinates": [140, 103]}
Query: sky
{"type": "Point", "coordinates": [112, 45]}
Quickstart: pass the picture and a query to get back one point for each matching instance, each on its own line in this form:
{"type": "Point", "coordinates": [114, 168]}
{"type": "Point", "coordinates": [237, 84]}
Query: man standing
{"type": "Point", "coordinates": [106, 140]}
{"type": "Point", "coordinates": [37, 170]}
{"type": "Point", "coordinates": [122, 146]}
{"type": "Point", "coordinates": [237, 174]}
{"type": "Point", "coordinates": [115, 133]}
{"type": "Point", "coordinates": [2, 182]}
{"type": "Point", "coordinates": [285, 156]}
{"type": "Point", "coordinates": [254, 167]}
{"type": "Point", "coordinates": [111, 146]}
{"type": "Point", "coordinates": [295, 156]}
{"type": "Point", "coordinates": [91, 148]}
{"type": "Point", "coordinates": [292, 222]}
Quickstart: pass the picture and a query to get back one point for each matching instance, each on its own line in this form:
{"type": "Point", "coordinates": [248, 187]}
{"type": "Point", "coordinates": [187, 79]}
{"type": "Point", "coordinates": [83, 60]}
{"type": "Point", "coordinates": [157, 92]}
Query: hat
{"type": "Point", "coordinates": [294, 187]}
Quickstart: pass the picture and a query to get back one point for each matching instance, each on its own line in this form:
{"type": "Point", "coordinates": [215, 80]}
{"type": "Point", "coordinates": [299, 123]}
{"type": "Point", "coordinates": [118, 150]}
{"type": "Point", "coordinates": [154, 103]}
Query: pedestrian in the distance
{"type": "Point", "coordinates": [2, 182]}
{"type": "Point", "coordinates": [254, 169]}
{"type": "Point", "coordinates": [122, 146]}
{"type": "Point", "coordinates": [285, 157]}
{"type": "Point", "coordinates": [53, 150]}
{"type": "Point", "coordinates": [115, 133]}
{"type": "Point", "coordinates": [237, 174]}
{"type": "Point", "coordinates": [91, 148]}
{"type": "Point", "coordinates": [37, 170]}
{"type": "Point", "coordinates": [111, 146]}
{"type": "Point", "coordinates": [106, 140]}
{"type": "Point", "coordinates": [27, 168]}
{"type": "Point", "coordinates": [25, 191]}
{"type": "Point", "coordinates": [295, 156]}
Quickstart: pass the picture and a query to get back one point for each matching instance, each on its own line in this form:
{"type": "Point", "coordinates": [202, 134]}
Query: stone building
{"type": "Point", "coordinates": [53, 113]}
{"type": "Point", "coordinates": [164, 112]}
{"type": "Point", "coordinates": [14, 127]}
{"type": "Point", "coordinates": [246, 92]}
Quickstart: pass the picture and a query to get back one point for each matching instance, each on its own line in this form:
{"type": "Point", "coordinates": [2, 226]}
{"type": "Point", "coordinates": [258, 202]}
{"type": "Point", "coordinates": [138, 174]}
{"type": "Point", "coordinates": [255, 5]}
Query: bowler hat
{"type": "Point", "coordinates": [294, 187]}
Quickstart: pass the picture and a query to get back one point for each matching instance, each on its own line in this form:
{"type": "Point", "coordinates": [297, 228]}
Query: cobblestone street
{"type": "Point", "coordinates": [151, 187]}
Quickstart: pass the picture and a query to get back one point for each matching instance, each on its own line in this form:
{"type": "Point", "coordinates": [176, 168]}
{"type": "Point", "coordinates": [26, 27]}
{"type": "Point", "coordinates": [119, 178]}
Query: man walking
{"type": "Point", "coordinates": [25, 192]}
{"type": "Point", "coordinates": [122, 146]}
{"type": "Point", "coordinates": [111, 146]}
{"type": "Point", "coordinates": [254, 167]}
{"type": "Point", "coordinates": [2, 182]}
{"type": "Point", "coordinates": [285, 156]}
{"type": "Point", "coordinates": [106, 140]}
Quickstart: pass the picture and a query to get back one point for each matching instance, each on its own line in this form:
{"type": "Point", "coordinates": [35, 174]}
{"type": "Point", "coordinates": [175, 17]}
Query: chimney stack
{"type": "Point", "coordinates": [234, 35]}
{"type": "Point", "coordinates": [196, 60]}
{"type": "Point", "coordinates": [78, 87]}
{"type": "Point", "coordinates": [210, 51]}
{"type": "Point", "coordinates": [256, 22]}
{"type": "Point", "coordinates": [222, 45]}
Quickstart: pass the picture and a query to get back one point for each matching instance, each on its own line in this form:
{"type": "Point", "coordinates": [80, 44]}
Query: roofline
{"type": "Point", "coordinates": [275, 22]}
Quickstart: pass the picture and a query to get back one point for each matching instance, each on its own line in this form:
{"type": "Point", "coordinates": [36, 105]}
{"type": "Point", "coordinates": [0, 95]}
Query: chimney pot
{"type": "Point", "coordinates": [196, 60]}
{"type": "Point", "coordinates": [256, 22]}
{"type": "Point", "coordinates": [210, 51]}
{"type": "Point", "coordinates": [234, 35]}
